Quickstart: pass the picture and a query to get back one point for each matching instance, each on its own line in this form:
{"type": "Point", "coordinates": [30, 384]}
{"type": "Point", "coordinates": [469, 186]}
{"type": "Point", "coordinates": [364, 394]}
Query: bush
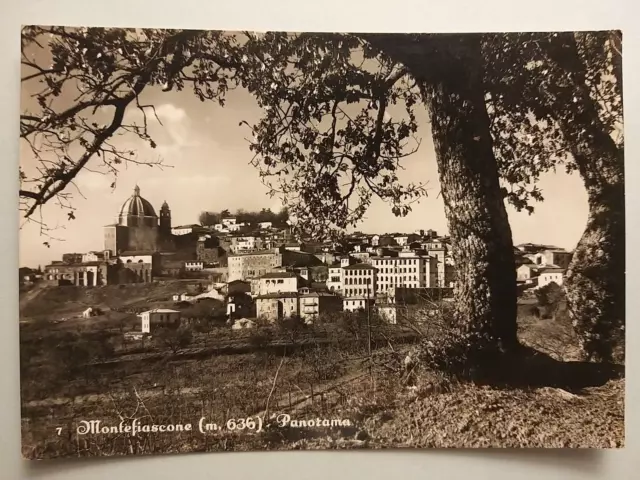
{"type": "Point", "coordinates": [550, 297]}
{"type": "Point", "coordinates": [174, 339]}
{"type": "Point", "coordinates": [260, 338]}
{"type": "Point", "coordinates": [291, 327]}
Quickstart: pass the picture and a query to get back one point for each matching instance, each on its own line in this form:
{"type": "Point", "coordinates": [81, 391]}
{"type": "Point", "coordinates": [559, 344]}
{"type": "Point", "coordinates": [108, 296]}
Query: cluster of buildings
{"type": "Point", "coordinates": [540, 265]}
{"type": "Point", "coordinates": [269, 273]}
{"type": "Point", "coordinates": [309, 279]}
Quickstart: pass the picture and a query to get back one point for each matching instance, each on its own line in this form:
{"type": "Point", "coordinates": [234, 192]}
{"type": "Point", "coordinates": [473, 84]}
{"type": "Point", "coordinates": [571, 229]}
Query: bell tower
{"type": "Point", "coordinates": [165, 219]}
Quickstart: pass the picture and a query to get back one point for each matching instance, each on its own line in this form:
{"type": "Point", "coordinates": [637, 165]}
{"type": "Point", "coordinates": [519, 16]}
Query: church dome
{"type": "Point", "coordinates": [136, 206]}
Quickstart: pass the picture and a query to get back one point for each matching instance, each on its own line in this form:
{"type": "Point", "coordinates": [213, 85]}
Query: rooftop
{"type": "Point", "coordinates": [318, 294]}
{"type": "Point", "coordinates": [193, 225]}
{"type": "Point", "coordinates": [551, 269]}
{"type": "Point", "coordinates": [161, 310]}
{"type": "Point", "coordinates": [256, 252]}
{"type": "Point", "coordinates": [279, 275]}
{"type": "Point", "coordinates": [278, 295]}
{"type": "Point", "coordinates": [360, 266]}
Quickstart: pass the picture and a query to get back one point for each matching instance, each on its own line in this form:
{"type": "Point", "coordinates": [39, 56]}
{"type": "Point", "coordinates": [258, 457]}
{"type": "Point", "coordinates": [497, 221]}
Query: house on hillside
{"type": "Point", "coordinates": [276, 306]}
{"type": "Point", "coordinates": [278, 282]}
{"type": "Point", "coordinates": [357, 302]}
{"type": "Point", "coordinates": [158, 317]}
{"type": "Point", "coordinates": [551, 274]}
{"type": "Point", "coordinates": [526, 272]}
{"type": "Point", "coordinates": [314, 304]}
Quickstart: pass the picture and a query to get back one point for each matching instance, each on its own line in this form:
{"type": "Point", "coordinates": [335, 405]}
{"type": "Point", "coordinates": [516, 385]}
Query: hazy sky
{"type": "Point", "coordinates": [209, 158]}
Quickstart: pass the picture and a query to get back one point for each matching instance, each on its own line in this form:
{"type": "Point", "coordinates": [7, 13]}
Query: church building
{"type": "Point", "coordinates": [138, 228]}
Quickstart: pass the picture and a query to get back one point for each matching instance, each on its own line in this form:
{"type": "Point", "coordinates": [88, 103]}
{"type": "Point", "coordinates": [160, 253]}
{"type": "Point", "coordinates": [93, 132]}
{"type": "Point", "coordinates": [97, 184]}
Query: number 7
{"type": "Point", "coordinates": [59, 429]}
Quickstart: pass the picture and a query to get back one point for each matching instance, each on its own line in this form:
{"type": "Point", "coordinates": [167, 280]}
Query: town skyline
{"type": "Point", "coordinates": [85, 232]}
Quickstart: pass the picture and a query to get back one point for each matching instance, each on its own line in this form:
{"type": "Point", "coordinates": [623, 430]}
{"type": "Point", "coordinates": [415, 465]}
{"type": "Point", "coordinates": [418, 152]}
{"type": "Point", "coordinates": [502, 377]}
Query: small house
{"type": "Point", "coordinates": [159, 317]}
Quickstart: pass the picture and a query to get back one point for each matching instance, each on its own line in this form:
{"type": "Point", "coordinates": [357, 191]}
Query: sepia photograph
{"type": "Point", "coordinates": [241, 241]}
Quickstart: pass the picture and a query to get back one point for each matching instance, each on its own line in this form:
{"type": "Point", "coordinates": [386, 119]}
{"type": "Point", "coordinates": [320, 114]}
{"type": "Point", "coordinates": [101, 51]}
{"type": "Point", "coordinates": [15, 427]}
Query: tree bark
{"type": "Point", "coordinates": [595, 280]}
{"type": "Point", "coordinates": [449, 72]}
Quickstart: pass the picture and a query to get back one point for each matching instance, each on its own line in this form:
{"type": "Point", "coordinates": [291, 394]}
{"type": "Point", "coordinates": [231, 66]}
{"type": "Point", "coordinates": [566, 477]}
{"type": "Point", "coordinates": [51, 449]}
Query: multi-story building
{"type": "Point", "coordinates": [276, 306]}
{"type": "Point", "coordinates": [406, 270]}
{"type": "Point", "coordinates": [86, 274]}
{"type": "Point", "coordinates": [247, 243]}
{"type": "Point", "coordinates": [360, 279]}
{"type": "Point", "coordinates": [278, 282]}
{"type": "Point", "coordinates": [249, 265]}
{"type": "Point", "coordinates": [209, 251]}
{"type": "Point", "coordinates": [315, 304]}
{"type": "Point", "coordinates": [334, 278]}
{"type": "Point", "coordinates": [438, 251]}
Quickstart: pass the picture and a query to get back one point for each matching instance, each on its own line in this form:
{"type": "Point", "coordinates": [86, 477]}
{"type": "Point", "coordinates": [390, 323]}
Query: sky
{"type": "Point", "coordinates": [206, 157]}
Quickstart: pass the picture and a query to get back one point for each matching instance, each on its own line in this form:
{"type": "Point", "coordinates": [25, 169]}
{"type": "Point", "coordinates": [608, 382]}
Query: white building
{"type": "Point", "coordinates": [355, 303]}
{"type": "Point", "coordinates": [193, 266]}
{"type": "Point", "coordinates": [334, 278]}
{"type": "Point", "coordinates": [234, 227]}
{"type": "Point", "coordinates": [278, 282]}
{"type": "Point", "coordinates": [227, 222]}
{"type": "Point", "coordinates": [158, 317]}
{"type": "Point", "coordinates": [246, 243]}
{"type": "Point", "coordinates": [409, 271]}
{"type": "Point", "coordinates": [265, 225]}
{"type": "Point", "coordinates": [185, 229]}
{"type": "Point", "coordinates": [95, 256]}
{"type": "Point", "coordinates": [402, 240]}
{"type": "Point", "coordinates": [359, 280]}
{"type": "Point", "coordinates": [551, 274]}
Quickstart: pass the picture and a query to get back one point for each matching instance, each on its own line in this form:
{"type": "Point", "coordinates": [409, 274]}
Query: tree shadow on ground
{"type": "Point", "coordinates": [530, 368]}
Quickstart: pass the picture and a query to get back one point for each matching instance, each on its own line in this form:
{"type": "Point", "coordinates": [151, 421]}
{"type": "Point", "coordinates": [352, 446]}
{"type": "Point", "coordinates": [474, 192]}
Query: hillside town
{"type": "Point", "coordinates": [263, 271]}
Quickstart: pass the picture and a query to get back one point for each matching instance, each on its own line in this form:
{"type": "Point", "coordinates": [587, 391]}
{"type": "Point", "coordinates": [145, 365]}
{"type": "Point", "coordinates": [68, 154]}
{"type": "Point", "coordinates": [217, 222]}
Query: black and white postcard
{"type": "Point", "coordinates": [236, 241]}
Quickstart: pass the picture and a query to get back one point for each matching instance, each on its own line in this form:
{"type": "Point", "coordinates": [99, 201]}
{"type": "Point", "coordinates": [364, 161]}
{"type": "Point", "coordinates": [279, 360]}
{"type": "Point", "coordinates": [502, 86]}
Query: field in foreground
{"type": "Point", "coordinates": [324, 372]}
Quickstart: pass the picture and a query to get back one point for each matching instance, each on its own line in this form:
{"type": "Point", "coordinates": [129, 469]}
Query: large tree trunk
{"type": "Point", "coordinates": [595, 281]}
{"type": "Point", "coordinates": [449, 70]}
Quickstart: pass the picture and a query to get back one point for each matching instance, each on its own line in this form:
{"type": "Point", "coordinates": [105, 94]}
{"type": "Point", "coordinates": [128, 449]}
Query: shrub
{"type": "Point", "coordinates": [260, 338]}
{"type": "Point", "coordinates": [549, 299]}
{"type": "Point", "coordinates": [173, 338]}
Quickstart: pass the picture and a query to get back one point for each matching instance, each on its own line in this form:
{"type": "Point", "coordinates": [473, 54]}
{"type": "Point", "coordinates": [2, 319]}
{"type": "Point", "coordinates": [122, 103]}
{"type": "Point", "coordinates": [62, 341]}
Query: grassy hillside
{"type": "Point", "coordinates": [71, 300]}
